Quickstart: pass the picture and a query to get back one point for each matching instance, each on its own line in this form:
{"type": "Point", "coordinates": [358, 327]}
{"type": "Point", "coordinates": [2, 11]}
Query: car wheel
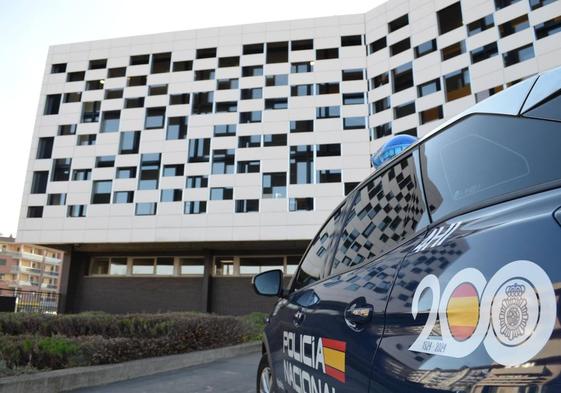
{"type": "Point", "coordinates": [264, 376]}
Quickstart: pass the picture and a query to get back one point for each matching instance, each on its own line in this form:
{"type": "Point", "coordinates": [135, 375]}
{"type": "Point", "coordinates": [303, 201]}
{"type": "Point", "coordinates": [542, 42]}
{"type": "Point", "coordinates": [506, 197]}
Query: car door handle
{"type": "Point", "coordinates": [359, 314]}
{"type": "Point", "coordinates": [299, 317]}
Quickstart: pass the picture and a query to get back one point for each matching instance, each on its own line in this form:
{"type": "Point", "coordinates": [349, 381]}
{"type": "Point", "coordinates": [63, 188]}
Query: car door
{"type": "Point", "coordinates": [342, 316]}
{"type": "Point", "coordinates": [474, 308]}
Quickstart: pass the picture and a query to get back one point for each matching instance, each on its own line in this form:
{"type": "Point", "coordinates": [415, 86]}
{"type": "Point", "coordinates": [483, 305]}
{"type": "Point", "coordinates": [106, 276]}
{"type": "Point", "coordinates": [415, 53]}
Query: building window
{"type": "Point", "coordinates": [274, 185]}
{"type": "Point", "coordinates": [276, 103]}
{"type": "Point", "coordinates": [431, 114]}
{"type": "Point", "coordinates": [328, 112]}
{"type": "Point", "coordinates": [116, 72]}
{"type": "Point", "coordinates": [197, 182]}
{"type": "Point", "coordinates": [249, 141]}
{"type": "Point", "coordinates": [226, 106]}
{"type": "Point", "coordinates": [75, 76]}
{"type": "Point", "coordinates": [304, 66]}
{"type": "Point", "coordinates": [139, 59]}
{"type": "Point", "coordinates": [123, 196]}
{"type": "Point", "coordinates": [353, 74]}
{"type": "Point", "coordinates": [301, 164]}
{"type": "Point", "coordinates": [400, 46]}
{"type": "Point", "coordinates": [548, 28]}
{"type": "Point", "coordinates": [206, 53]}
{"type": "Point", "coordinates": [398, 23]}
{"type": "Point", "coordinates": [327, 54]}
{"type": "Point", "coordinates": [276, 80]}
{"type": "Point", "coordinates": [225, 130]}
{"type": "Point", "coordinates": [514, 26]}
{"type": "Point", "coordinates": [403, 110]}
{"type": "Point", "coordinates": [251, 94]}
{"type": "Point", "coordinates": [157, 90]}
{"type": "Point", "coordinates": [149, 171]}
{"type": "Point", "coordinates": [301, 90]}
{"type": "Point", "coordinates": [380, 80]}
{"type": "Point", "coordinates": [277, 52]}
{"type": "Point", "coordinates": [301, 44]}
{"type": "Point", "coordinates": [518, 55]}
{"type": "Point", "coordinates": [67, 129]}
{"type": "Point", "coordinates": [329, 176]}
{"type": "Point", "coordinates": [381, 131]}
{"type": "Point", "coordinates": [328, 150]}
{"type": "Point", "coordinates": [139, 80]}
{"type": "Point", "coordinates": [424, 89]}
{"type": "Point", "coordinates": [39, 182]}
{"type": "Point", "coordinates": [350, 40]}
{"type": "Point", "coordinates": [90, 111]}
{"type": "Point", "coordinates": [457, 84]}
{"type": "Point", "coordinates": [126, 172]}
{"type": "Point", "coordinates": [402, 77]}
{"type": "Point", "coordinates": [453, 50]}
{"type": "Point", "coordinates": [301, 125]}
{"type": "Point", "coordinates": [56, 199]}
{"type": "Point", "coordinates": [194, 207]}
{"type": "Point", "coordinates": [155, 117]}
{"type": "Point", "coordinates": [248, 166]}
{"type": "Point", "coordinates": [204, 75]}
{"type": "Point", "coordinates": [500, 4]}
{"type": "Point", "coordinates": [101, 192]}
{"type": "Point", "coordinates": [59, 68]}
{"type": "Point", "coordinates": [483, 53]}
{"type": "Point", "coordinates": [250, 117]}
{"type": "Point", "coordinates": [377, 45]}
{"type": "Point", "coordinates": [45, 147]}
{"type": "Point", "coordinates": [199, 150]}
{"type": "Point", "coordinates": [425, 48]}
{"type": "Point", "coordinates": [177, 128]}
{"type": "Point", "coordinates": [247, 205]}
{"type": "Point", "coordinates": [327, 88]}
{"type": "Point", "coordinates": [231, 61]}
{"type": "Point", "coordinates": [110, 121]}
{"type": "Point", "coordinates": [301, 204]}
{"type": "Point", "coordinates": [202, 102]}
{"type": "Point", "coordinates": [129, 142]}
{"type": "Point", "coordinates": [274, 140]}
{"type": "Point", "coordinates": [535, 4]}
{"type": "Point", "coordinates": [95, 84]}
{"type": "Point", "coordinates": [72, 97]}
{"type": "Point", "coordinates": [145, 209]}
{"type": "Point", "coordinates": [52, 104]}
{"type": "Point", "coordinates": [171, 195]}
{"type": "Point", "coordinates": [179, 99]}
{"type": "Point", "coordinates": [86, 140]}
{"type": "Point", "coordinates": [111, 94]}
{"type": "Point", "coordinates": [227, 84]}
{"type": "Point", "coordinates": [61, 169]}
{"type": "Point", "coordinates": [381, 105]}
{"type": "Point", "coordinates": [255, 70]}
{"type": "Point", "coordinates": [354, 123]}
{"type": "Point", "coordinates": [81, 174]}
{"type": "Point", "coordinates": [353, 98]}
{"type": "Point", "coordinates": [223, 161]}
{"type": "Point", "coordinates": [480, 96]}
{"type": "Point", "coordinates": [171, 170]}
{"type": "Point", "coordinates": [183, 65]}
{"type": "Point", "coordinates": [449, 18]}
{"type": "Point", "coordinates": [104, 161]}
{"type": "Point", "coordinates": [480, 25]}
{"type": "Point", "coordinates": [221, 193]}
{"type": "Point", "coordinates": [32, 212]}
{"type": "Point", "coordinates": [76, 211]}
{"type": "Point", "coordinates": [136, 102]}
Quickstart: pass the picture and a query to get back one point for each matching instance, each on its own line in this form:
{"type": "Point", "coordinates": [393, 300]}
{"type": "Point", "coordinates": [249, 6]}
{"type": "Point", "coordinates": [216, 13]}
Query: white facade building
{"type": "Point", "coordinates": [246, 137]}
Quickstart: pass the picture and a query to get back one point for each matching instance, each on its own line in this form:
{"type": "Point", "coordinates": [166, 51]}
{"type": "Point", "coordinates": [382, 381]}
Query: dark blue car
{"type": "Point", "coordinates": [441, 272]}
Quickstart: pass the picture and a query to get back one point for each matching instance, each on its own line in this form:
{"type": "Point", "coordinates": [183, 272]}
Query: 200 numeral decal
{"type": "Point", "coordinates": [512, 315]}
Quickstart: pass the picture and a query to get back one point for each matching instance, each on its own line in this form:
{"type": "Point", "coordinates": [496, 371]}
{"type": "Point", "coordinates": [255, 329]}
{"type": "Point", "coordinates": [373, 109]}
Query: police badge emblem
{"type": "Point", "coordinates": [513, 316]}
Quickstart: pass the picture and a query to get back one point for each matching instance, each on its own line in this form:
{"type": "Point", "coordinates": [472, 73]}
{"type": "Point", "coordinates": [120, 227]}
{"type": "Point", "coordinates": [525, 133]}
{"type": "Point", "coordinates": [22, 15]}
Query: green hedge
{"type": "Point", "coordinates": [31, 341]}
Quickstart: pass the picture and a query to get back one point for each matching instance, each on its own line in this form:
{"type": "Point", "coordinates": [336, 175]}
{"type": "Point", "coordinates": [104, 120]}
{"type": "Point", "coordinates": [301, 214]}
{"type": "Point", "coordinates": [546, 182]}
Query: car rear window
{"type": "Point", "coordinates": [483, 157]}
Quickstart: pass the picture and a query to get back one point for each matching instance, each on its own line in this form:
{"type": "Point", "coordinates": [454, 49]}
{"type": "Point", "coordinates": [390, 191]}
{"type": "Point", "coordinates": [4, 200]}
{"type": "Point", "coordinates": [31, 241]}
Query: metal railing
{"type": "Point", "coordinates": [33, 301]}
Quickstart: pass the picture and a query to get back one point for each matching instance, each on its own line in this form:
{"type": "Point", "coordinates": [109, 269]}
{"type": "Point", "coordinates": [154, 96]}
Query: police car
{"type": "Point", "coordinates": [441, 271]}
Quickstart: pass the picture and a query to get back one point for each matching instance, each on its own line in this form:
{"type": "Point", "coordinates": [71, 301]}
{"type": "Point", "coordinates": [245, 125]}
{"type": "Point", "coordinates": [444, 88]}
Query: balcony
{"type": "Point", "coordinates": [49, 287]}
{"type": "Point", "coordinates": [50, 274]}
{"type": "Point", "coordinates": [32, 257]}
{"type": "Point", "coordinates": [52, 260]}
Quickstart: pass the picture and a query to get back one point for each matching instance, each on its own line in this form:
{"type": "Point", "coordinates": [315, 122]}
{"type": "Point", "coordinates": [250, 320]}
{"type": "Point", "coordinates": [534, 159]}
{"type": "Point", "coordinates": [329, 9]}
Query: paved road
{"type": "Point", "coordinates": [236, 375]}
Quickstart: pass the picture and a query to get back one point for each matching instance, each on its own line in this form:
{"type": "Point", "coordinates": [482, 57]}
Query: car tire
{"type": "Point", "coordinates": [264, 376]}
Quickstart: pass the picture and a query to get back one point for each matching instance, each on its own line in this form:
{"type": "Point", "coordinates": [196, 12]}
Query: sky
{"type": "Point", "coordinates": [29, 27]}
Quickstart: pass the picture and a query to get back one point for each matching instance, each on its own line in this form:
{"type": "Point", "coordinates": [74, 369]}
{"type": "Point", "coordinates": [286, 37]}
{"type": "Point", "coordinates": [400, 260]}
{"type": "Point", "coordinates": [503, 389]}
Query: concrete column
{"type": "Point", "coordinates": [64, 276]}
{"type": "Point", "coordinates": [207, 284]}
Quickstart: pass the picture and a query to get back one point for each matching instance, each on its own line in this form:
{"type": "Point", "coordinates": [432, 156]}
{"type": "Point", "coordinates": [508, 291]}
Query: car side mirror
{"type": "Point", "coordinates": [268, 283]}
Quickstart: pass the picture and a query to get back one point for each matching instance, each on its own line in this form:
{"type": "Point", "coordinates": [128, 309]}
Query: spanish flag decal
{"type": "Point", "coordinates": [334, 356]}
{"type": "Point", "coordinates": [463, 311]}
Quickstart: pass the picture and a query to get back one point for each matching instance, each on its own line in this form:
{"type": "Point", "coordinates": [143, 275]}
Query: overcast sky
{"type": "Point", "coordinates": [28, 28]}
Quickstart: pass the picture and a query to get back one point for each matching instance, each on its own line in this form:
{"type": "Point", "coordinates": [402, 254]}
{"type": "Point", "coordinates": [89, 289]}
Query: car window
{"type": "Point", "coordinates": [386, 210]}
{"type": "Point", "coordinates": [314, 262]}
{"type": "Point", "coordinates": [487, 156]}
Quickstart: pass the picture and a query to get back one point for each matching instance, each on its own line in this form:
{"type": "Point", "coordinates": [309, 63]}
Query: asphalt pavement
{"type": "Point", "coordinates": [235, 375]}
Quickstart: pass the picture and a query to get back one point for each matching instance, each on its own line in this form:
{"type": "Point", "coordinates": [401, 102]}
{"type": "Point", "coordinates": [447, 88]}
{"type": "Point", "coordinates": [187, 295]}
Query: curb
{"type": "Point", "coordinates": [82, 377]}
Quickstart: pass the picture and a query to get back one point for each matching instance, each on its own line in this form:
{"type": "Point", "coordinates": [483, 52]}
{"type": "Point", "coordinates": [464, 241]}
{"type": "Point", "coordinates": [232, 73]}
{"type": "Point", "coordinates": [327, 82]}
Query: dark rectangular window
{"type": "Point", "coordinates": [377, 45]}
{"type": "Point", "coordinates": [432, 86]}
{"type": "Point", "coordinates": [195, 207]}
{"type": "Point", "coordinates": [249, 166]}
{"type": "Point", "coordinates": [548, 28]}
{"type": "Point", "coordinates": [183, 65]}
{"type": "Point", "coordinates": [514, 26]}
{"type": "Point", "coordinates": [75, 76]}
{"type": "Point", "coordinates": [223, 161]}
{"type": "Point", "coordinates": [59, 68]}
{"type": "Point", "coordinates": [301, 164]}
{"type": "Point", "coordinates": [400, 46]}
{"type": "Point", "coordinates": [327, 88]}
{"type": "Point", "coordinates": [403, 110]}
{"type": "Point", "coordinates": [171, 170]}
{"type": "Point", "coordinates": [326, 54]}
{"type": "Point", "coordinates": [101, 192]}
{"type": "Point", "coordinates": [204, 75]}
{"type": "Point", "coordinates": [149, 173]}
{"type": "Point", "coordinates": [480, 96]}
{"type": "Point", "coordinates": [56, 199]}
{"type": "Point", "coordinates": [328, 150]}
{"type": "Point", "coordinates": [480, 25]}
{"type": "Point", "coordinates": [110, 121]}
{"type": "Point", "coordinates": [274, 185]}
{"type": "Point", "coordinates": [381, 105]}
{"type": "Point", "coordinates": [67, 129]}
{"type": "Point", "coordinates": [380, 80]}
{"type": "Point", "coordinates": [277, 52]}
{"type": "Point", "coordinates": [251, 93]}
{"type": "Point", "coordinates": [255, 70]}
{"type": "Point", "coordinates": [398, 23]}
{"type": "Point", "coordinates": [355, 74]}
{"type": "Point", "coordinates": [155, 117]}
{"type": "Point", "coordinates": [483, 53]}
{"type": "Point", "coordinates": [249, 141]}
{"type": "Point", "coordinates": [276, 103]}
{"type": "Point", "coordinates": [431, 114]}
{"type": "Point", "coordinates": [381, 131]}
{"type": "Point", "coordinates": [90, 111]}
{"type": "Point", "coordinates": [225, 130]}
{"type": "Point", "coordinates": [146, 209]}
{"type": "Point", "coordinates": [171, 195]}
{"type": "Point", "coordinates": [72, 97]}
{"type": "Point", "coordinates": [104, 161]}
{"type": "Point", "coordinates": [457, 84]}
{"type": "Point", "coordinates": [304, 66]}
{"type": "Point", "coordinates": [252, 49]}
{"type": "Point", "coordinates": [139, 80]}
{"type": "Point", "coordinates": [402, 77]}
{"type": "Point", "coordinates": [354, 123]}
{"type": "Point", "coordinates": [500, 4]}
{"type": "Point", "coordinates": [301, 204]}
{"type": "Point", "coordinates": [197, 182]}
{"type": "Point", "coordinates": [126, 172]}
{"type": "Point", "coordinates": [449, 18]}
{"type": "Point", "coordinates": [139, 59]}
{"type": "Point", "coordinates": [226, 106]}
{"type": "Point", "coordinates": [206, 53]}
{"type": "Point", "coordinates": [535, 4]}
{"type": "Point", "coordinates": [39, 182]}
{"type": "Point", "coordinates": [302, 44]}
{"type": "Point", "coordinates": [301, 125]}
{"type": "Point", "coordinates": [199, 150]}
{"type": "Point", "coordinates": [301, 90]}
{"type": "Point", "coordinates": [86, 140]}
{"type": "Point", "coordinates": [61, 169]}
{"type": "Point", "coordinates": [250, 117]}
{"type": "Point", "coordinates": [202, 103]}
{"type": "Point", "coordinates": [221, 193]}
{"type": "Point", "coordinates": [34, 212]}
{"type": "Point", "coordinates": [136, 102]}
{"type": "Point", "coordinates": [351, 40]}
{"type": "Point", "coordinates": [81, 174]}
{"type": "Point", "coordinates": [111, 94]}
{"type": "Point", "coordinates": [76, 211]}
{"type": "Point", "coordinates": [247, 205]}
{"type": "Point", "coordinates": [129, 142]}
{"type": "Point", "coordinates": [94, 85]}
{"type": "Point", "coordinates": [231, 61]}
{"type": "Point", "coordinates": [157, 90]}
{"type": "Point", "coordinates": [52, 104]}
{"type": "Point", "coordinates": [116, 72]}
{"type": "Point", "coordinates": [329, 176]}
{"type": "Point", "coordinates": [328, 112]}
{"type": "Point", "coordinates": [274, 140]}
{"type": "Point", "coordinates": [276, 80]}
{"type": "Point", "coordinates": [518, 55]}
{"type": "Point", "coordinates": [45, 147]}
{"type": "Point", "coordinates": [227, 84]}
{"type": "Point", "coordinates": [123, 196]}
{"type": "Point", "coordinates": [425, 48]}
{"type": "Point", "coordinates": [353, 98]}
{"type": "Point", "coordinates": [453, 50]}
